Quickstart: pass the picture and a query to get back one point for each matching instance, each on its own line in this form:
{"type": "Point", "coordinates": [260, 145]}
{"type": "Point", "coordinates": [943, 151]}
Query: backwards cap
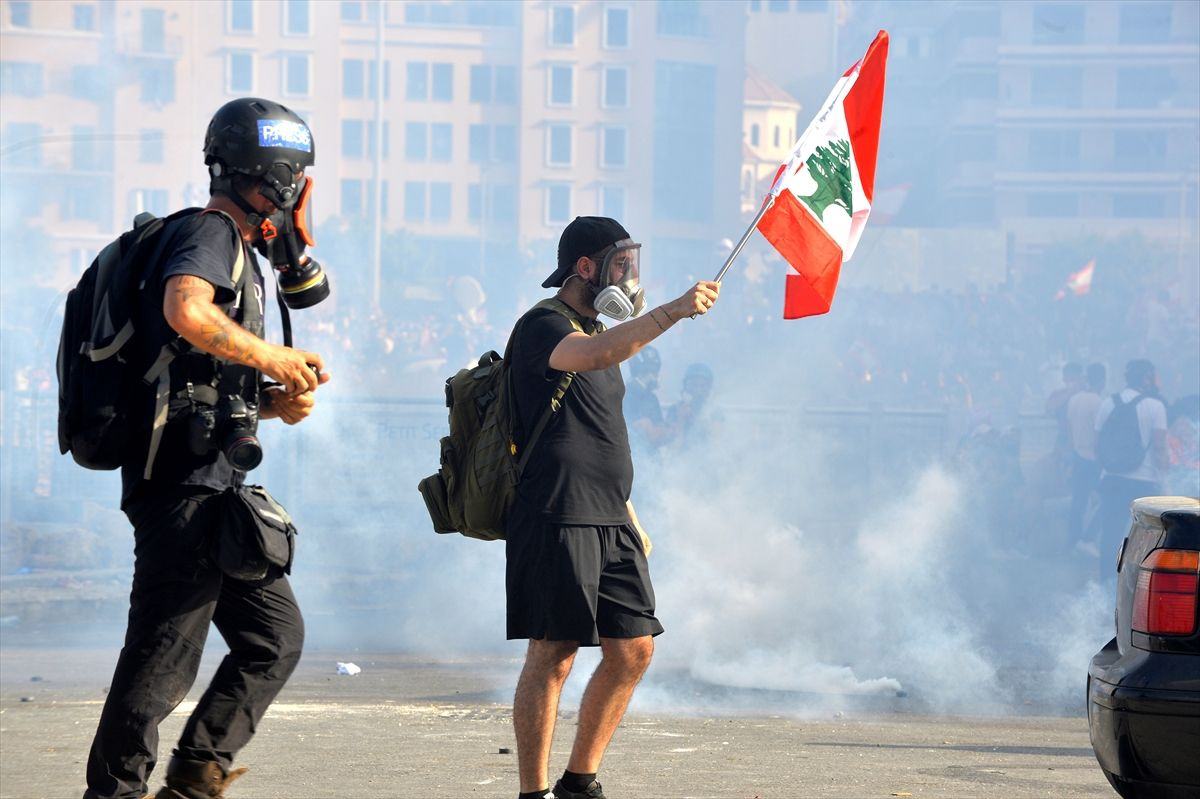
{"type": "Point", "coordinates": [585, 236]}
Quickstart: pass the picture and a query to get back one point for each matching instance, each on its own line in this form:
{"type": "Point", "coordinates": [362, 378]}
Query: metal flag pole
{"type": "Point", "coordinates": [745, 237]}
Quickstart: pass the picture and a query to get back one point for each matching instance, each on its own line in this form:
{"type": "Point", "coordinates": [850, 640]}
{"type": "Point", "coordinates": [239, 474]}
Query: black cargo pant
{"type": "Point", "coordinates": [176, 593]}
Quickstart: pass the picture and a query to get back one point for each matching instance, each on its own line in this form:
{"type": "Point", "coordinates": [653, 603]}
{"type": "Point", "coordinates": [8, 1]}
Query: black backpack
{"type": "Point", "coordinates": [1119, 447]}
{"type": "Point", "coordinates": [101, 363]}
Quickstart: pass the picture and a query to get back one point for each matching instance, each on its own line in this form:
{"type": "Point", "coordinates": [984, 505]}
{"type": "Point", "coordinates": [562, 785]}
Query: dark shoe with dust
{"type": "Point", "coordinates": [194, 779]}
{"type": "Point", "coordinates": [593, 791]}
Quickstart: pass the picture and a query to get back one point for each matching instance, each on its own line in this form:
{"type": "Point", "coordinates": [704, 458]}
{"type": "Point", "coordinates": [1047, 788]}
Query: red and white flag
{"type": "Point", "coordinates": [1079, 283]}
{"type": "Point", "coordinates": [822, 195]}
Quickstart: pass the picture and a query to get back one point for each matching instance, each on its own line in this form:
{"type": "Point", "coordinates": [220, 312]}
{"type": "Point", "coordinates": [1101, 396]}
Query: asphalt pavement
{"type": "Point", "coordinates": [410, 728]}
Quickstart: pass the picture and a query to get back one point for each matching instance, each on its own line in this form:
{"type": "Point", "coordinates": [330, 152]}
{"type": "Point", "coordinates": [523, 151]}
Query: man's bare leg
{"type": "Point", "coordinates": [607, 695]}
{"type": "Point", "coordinates": [535, 708]}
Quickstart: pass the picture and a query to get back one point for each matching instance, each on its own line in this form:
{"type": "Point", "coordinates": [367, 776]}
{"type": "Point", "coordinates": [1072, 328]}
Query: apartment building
{"type": "Point", "coordinates": [496, 121]}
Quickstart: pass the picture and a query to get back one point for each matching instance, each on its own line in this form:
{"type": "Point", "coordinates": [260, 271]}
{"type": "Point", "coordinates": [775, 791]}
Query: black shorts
{"type": "Point", "coordinates": [578, 583]}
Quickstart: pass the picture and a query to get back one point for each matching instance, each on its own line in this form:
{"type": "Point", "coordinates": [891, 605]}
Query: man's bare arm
{"type": "Point", "coordinates": [579, 352]}
{"type": "Point", "coordinates": [190, 311]}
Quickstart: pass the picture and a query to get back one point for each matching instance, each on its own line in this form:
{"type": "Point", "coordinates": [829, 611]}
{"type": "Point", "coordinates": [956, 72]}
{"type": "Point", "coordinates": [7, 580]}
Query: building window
{"type": "Point", "coordinates": [1145, 87]}
{"type": "Point", "coordinates": [354, 79]}
{"type": "Point", "coordinates": [681, 18]}
{"type": "Point", "coordinates": [561, 85]}
{"type": "Point", "coordinates": [504, 144]}
{"type": "Point", "coordinates": [616, 87]}
{"type": "Point", "coordinates": [358, 79]}
{"type": "Point", "coordinates": [239, 16]}
{"type": "Point", "coordinates": [154, 30]}
{"type": "Point", "coordinates": [613, 148]}
{"type": "Point", "coordinates": [387, 134]}
{"type": "Point", "coordinates": [1139, 150]}
{"type": "Point", "coordinates": [296, 18]}
{"type": "Point", "coordinates": [352, 192]}
{"type": "Point", "coordinates": [612, 202]}
{"type": "Point", "coordinates": [616, 28]}
{"type": "Point", "coordinates": [239, 73]}
{"type": "Point", "coordinates": [353, 134]}
{"type": "Point", "coordinates": [21, 79]}
{"type": "Point", "coordinates": [439, 202]}
{"type": "Point", "coordinates": [152, 200]}
{"type": "Point", "coordinates": [479, 144]}
{"type": "Point", "coordinates": [440, 140]}
{"type": "Point", "coordinates": [506, 85]}
{"type": "Point", "coordinates": [754, 135]}
{"type": "Point", "coordinates": [360, 10]}
{"type": "Point", "coordinates": [558, 204]}
{"type": "Point", "coordinates": [562, 26]}
{"type": "Point", "coordinates": [1058, 23]}
{"type": "Point", "coordinates": [417, 83]}
{"type": "Point", "coordinates": [25, 137]}
{"type": "Point", "coordinates": [1140, 205]}
{"type": "Point", "coordinates": [778, 136]}
{"type": "Point", "coordinates": [158, 83]}
{"type": "Point", "coordinates": [1056, 87]}
{"type": "Point", "coordinates": [443, 83]}
{"type": "Point", "coordinates": [414, 201]}
{"type": "Point", "coordinates": [1054, 150]}
{"type": "Point", "coordinates": [83, 18]}
{"type": "Point", "coordinates": [416, 144]}
{"type": "Point", "coordinates": [150, 146]}
{"type": "Point", "coordinates": [20, 13]}
{"type": "Point", "coordinates": [558, 145]}
{"type": "Point", "coordinates": [1145, 22]}
{"type": "Point", "coordinates": [480, 90]}
{"type": "Point", "coordinates": [295, 75]}
{"type": "Point", "coordinates": [474, 203]}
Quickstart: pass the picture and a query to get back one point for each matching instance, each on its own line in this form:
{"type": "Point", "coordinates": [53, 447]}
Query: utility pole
{"type": "Point", "coordinates": [377, 157]}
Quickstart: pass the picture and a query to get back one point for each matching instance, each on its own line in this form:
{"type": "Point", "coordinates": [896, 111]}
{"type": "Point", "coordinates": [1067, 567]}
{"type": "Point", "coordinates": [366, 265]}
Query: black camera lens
{"type": "Point", "coordinates": [242, 450]}
{"type": "Point", "coordinates": [239, 442]}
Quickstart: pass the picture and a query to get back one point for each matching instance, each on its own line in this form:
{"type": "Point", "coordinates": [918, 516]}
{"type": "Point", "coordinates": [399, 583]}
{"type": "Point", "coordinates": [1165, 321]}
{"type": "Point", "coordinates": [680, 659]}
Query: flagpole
{"type": "Point", "coordinates": [745, 237]}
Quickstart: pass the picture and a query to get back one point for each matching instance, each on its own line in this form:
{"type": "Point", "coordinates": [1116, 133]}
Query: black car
{"type": "Point", "coordinates": [1144, 686]}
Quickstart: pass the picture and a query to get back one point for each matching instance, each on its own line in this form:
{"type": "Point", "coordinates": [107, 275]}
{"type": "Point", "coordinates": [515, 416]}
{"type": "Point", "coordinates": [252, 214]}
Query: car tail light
{"type": "Point", "coordinates": [1164, 602]}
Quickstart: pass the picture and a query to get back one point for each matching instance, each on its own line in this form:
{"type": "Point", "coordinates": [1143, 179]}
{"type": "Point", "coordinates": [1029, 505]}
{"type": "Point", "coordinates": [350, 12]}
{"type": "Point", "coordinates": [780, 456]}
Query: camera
{"type": "Point", "coordinates": [230, 425]}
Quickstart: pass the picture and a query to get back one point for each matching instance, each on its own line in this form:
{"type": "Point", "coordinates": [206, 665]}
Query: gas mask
{"type": "Point", "coordinates": [283, 236]}
{"type": "Point", "coordinates": [618, 295]}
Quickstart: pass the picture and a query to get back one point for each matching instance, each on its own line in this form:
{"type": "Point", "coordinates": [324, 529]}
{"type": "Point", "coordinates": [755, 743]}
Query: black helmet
{"type": "Point", "coordinates": [645, 361]}
{"type": "Point", "coordinates": [259, 138]}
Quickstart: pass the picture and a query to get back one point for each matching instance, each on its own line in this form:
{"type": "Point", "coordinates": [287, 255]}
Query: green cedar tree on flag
{"type": "Point", "coordinates": [822, 194]}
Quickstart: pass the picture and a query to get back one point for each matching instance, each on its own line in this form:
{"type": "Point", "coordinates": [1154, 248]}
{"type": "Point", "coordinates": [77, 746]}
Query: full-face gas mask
{"type": "Point", "coordinates": [618, 294]}
{"type": "Point", "coordinates": [260, 143]}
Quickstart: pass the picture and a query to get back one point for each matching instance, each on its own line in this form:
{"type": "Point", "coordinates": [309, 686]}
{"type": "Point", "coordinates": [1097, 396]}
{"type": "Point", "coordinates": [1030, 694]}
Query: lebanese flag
{"type": "Point", "coordinates": [821, 197]}
{"type": "Point", "coordinates": [1079, 283]}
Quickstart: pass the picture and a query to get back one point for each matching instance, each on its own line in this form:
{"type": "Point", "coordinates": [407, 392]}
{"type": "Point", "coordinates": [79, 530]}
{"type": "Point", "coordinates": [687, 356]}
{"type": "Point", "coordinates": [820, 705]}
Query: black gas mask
{"type": "Point", "coordinates": [283, 237]}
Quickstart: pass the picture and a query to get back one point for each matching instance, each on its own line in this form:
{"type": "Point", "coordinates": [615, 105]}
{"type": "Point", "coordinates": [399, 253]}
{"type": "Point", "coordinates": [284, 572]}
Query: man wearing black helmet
{"type": "Point", "coordinates": [577, 572]}
{"type": "Point", "coordinates": [203, 306]}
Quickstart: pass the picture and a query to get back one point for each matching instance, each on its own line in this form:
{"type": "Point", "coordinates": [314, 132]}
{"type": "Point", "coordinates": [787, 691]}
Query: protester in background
{"type": "Point", "coordinates": [577, 573]}
{"type": "Point", "coordinates": [177, 508]}
{"type": "Point", "coordinates": [1118, 487]}
{"type": "Point", "coordinates": [1056, 408]}
{"type": "Point", "coordinates": [693, 415]}
{"type": "Point", "coordinates": [1081, 424]}
{"type": "Point", "coordinates": [643, 413]}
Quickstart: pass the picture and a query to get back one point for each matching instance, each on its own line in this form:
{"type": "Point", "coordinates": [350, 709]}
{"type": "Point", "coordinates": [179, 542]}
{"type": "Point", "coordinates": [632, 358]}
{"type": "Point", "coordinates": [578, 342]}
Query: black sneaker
{"type": "Point", "coordinates": [593, 791]}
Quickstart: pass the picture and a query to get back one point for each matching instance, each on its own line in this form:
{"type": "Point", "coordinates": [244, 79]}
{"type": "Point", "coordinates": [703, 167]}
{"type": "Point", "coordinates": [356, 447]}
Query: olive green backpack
{"type": "Point", "coordinates": [480, 463]}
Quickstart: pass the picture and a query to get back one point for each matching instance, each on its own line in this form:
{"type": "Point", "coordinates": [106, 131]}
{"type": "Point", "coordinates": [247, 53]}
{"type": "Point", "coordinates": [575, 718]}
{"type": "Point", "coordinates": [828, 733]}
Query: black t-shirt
{"type": "Point", "coordinates": [580, 472]}
{"type": "Point", "coordinates": [203, 245]}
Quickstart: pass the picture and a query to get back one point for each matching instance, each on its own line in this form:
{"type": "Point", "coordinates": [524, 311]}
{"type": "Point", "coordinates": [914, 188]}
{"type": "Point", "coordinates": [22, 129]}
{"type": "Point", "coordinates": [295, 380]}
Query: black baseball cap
{"type": "Point", "coordinates": [585, 236]}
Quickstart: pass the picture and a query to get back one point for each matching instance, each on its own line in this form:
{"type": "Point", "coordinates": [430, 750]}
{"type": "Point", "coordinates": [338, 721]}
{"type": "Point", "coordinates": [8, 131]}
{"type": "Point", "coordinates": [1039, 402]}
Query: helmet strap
{"type": "Point", "coordinates": [223, 184]}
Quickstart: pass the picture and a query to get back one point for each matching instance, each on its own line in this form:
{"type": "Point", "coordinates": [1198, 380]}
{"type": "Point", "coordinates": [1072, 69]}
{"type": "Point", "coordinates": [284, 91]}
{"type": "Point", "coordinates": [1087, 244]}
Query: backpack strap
{"type": "Point", "coordinates": [159, 373]}
{"type": "Point", "coordinates": [560, 391]}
